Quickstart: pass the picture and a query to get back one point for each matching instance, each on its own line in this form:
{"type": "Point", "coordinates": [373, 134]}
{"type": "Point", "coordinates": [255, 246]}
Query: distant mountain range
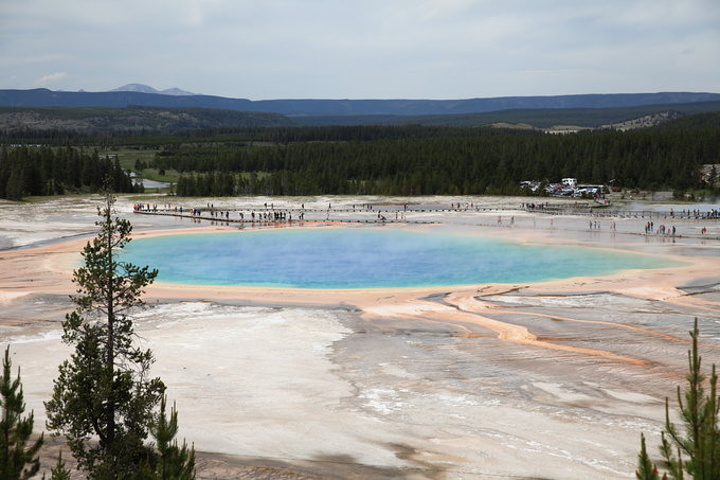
{"type": "Point", "coordinates": [139, 87]}
{"type": "Point", "coordinates": [142, 95]}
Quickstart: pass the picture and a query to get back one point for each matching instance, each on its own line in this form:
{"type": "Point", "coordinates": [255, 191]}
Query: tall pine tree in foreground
{"type": "Point", "coordinates": [692, 449]}
{"type": "Point", "coordinates": [103, 398]}
{"type": "Point", "coordinates": [18, 460]}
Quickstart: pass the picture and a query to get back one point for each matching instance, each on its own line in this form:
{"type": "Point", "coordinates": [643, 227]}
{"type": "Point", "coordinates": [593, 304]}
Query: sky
{"type": "Point", "coordinates": [363, 49]}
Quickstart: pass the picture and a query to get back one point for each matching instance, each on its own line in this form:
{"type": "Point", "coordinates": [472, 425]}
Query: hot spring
{"type": "Point", "coordinates": [339, 258]}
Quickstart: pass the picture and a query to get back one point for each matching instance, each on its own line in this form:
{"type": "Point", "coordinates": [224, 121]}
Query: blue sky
{"type": "Point", "coordinates": [440, 49]}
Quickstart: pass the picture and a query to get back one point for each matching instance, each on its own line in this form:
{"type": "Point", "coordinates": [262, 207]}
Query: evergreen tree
{"type": "Point", "coordinates": [59, 471]}
{"type": "Point", "coordinates": [17, 459]}
{"type": "Point", "coordinates": [646, 469]}
{"type": "Point", "coordinates": [103, 398]}
{"type": "Point", "coordinates": [693, 448]}
{"type": "Point", "coordinates": [173, 462]}
{"type": "Point", "coordinates": [15, 185]}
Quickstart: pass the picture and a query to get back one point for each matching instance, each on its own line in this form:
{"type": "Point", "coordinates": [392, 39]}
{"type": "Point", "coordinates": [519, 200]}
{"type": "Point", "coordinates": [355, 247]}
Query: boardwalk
{"type": "Point", "coordinates": [562, 217]}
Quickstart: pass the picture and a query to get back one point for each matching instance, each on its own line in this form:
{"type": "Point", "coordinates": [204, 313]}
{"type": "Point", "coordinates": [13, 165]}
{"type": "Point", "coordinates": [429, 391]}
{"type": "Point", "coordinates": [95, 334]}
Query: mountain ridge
{"type": "Point", "coordinates": [344, 107]}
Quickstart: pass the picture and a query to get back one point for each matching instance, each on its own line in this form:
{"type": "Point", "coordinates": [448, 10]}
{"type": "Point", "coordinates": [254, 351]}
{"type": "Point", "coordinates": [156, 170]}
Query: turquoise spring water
{"type": "Point", "coordinates": [331, 258]}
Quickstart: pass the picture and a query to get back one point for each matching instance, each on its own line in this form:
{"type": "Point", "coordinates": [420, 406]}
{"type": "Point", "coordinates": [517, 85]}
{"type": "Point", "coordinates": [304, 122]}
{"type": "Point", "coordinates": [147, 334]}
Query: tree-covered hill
{"type": "Point", "coordinates": [539, 118]}
{"type": "Point", "coordinates": [131, 119]}
{"type": "Point", "coordinates": [694, 122]}
{"type": "Point", "coordinates": [168, 120]}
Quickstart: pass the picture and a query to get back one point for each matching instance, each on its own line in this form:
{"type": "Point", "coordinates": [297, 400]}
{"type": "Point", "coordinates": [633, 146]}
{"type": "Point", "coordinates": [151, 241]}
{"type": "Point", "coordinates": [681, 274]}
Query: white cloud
{"type": "Point", "coordinates": [50, 78]}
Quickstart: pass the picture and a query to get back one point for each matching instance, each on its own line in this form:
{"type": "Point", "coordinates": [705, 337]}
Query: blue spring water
{"type": "Point", "coordinates": [333, 258]}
